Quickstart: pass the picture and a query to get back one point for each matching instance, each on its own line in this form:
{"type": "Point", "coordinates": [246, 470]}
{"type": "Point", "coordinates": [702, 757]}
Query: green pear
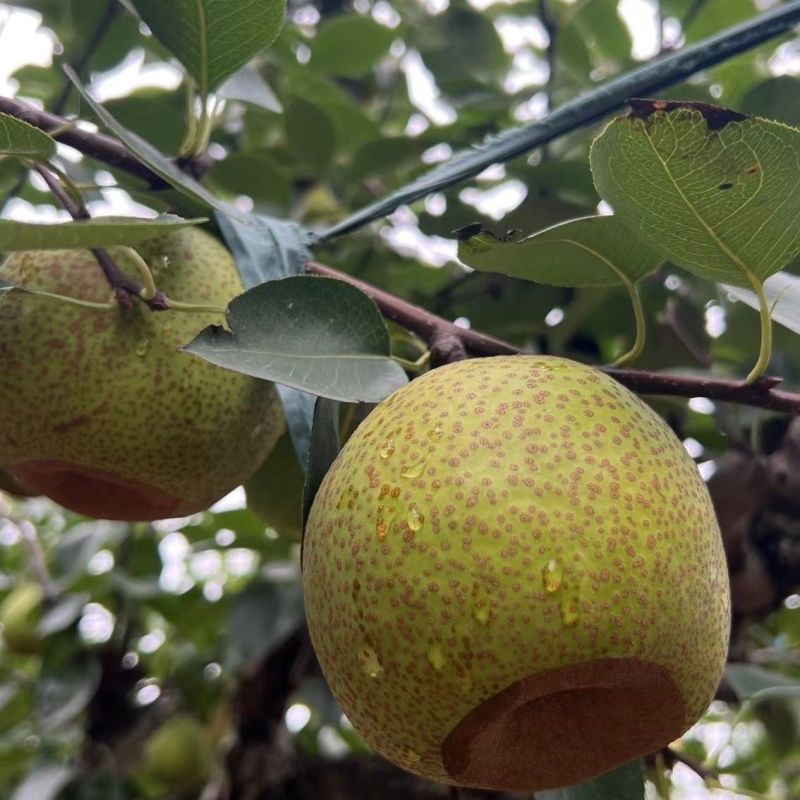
{"type": "Point", "coordinates": [179, 754]}
{"type": "Point", "coordinates": [19, 616]}
{"type": "Point", "coordinates": [99, 408]}
{"type": "Point", "coordinates": [514, 578]}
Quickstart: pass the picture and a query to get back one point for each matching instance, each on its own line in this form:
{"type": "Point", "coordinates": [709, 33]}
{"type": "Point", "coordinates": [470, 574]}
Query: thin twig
{"type": "Point", "coordinates": [126, 290]}
{"type": "Point", "coordinates": [671, 757]}
{"type": "Point", "coordinates": [36, 559]}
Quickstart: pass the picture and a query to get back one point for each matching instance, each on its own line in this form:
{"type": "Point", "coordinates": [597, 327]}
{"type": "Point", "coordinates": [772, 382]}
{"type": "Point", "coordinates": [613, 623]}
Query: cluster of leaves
{"type": "Point", "coordinates": [144, 620]}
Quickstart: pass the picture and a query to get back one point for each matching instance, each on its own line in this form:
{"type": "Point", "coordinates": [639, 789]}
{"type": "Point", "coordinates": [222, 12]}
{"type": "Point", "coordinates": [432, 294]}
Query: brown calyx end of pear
{"type": "Point", "coordinates": [525, 736]}
{"type": "Point", "coordinates": [97, 493]}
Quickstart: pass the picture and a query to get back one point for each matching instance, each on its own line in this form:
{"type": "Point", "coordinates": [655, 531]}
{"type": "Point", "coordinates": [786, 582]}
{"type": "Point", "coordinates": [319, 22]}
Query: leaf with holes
{"type": "Point", "coordinates": [18, 138]}
{"type": "Point", "coordinates": [315, 334]}
{"type": "Point", "coordinates": [213, 38]}
{"type": "Point", "coordinates": [587, 252]}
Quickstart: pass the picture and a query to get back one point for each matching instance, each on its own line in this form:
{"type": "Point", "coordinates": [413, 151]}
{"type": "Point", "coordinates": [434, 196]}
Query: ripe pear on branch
{"type": "Point", "coordinates": [99, 408]}
{"type": "Point", "coordinates": [514, 578]}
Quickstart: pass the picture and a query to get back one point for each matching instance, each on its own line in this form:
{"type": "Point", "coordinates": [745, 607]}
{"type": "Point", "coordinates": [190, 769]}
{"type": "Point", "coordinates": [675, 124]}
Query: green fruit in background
{"type": "Point", "coordinates": [19, 616]}
{"type": "Point", "coordinates": [275, 492]}
{"type": "Point", "coordinates": [514, 578]}
{"type": "Point", "coordinates": [179, 754]}
{"type": "Point", "coordinates": [101, 411]}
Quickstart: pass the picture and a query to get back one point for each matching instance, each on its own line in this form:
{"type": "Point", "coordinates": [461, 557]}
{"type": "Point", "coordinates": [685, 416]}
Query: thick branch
{"type": "Point", "coordinates": [761, 394]}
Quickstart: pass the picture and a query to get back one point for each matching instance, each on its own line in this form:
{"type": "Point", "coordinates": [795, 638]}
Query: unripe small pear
{"type": "Point", "coordinates": [514, 578]}
{"type": "Point", "coordinates": [179, 754]}
{"type": "Point", "coordinates": [100, 409]}
{"type": "Point", "coordinates": [19, 616]}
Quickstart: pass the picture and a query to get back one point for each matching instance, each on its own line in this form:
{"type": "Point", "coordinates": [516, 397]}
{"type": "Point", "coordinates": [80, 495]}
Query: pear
{"type": "Point", "coordinates": [19, 616]}
{"type": "Point", "coordinates": [179, 755]}
{"type": "Point", "coordinates": [99, 408]}
{"type": "Point", "coordinates": [514, 578]}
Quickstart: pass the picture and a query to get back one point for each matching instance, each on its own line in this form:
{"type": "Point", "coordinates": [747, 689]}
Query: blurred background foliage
{"type": "Point", "coordinates": [201, 619]}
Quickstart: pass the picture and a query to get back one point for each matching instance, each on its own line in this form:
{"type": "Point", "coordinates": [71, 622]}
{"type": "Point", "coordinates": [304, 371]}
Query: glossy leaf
{"type": "Point", "coordinates": [18, 138]}
{"type": "Point", "coordinates": [213, 38]}
{"type": "Point", "coordinates": [624, 783]}
{"type": "Point", "coordinates": [592, 252]}
{"type": "Point", "coordinates": [315, 334]}
{"type": "Point", "coordinates": [712, 190]}
{"type": "Point", "coordinates": [96, 232]}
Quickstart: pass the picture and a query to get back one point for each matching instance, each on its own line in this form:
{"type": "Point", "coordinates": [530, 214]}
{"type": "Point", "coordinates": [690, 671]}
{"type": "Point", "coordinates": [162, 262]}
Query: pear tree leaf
{"type": "Point", "coordinates": [266, 248]}
{"type": "Point", "coordinates": [350, 45]}
{"type": "Point", "coordinates": [95, 232]}
{"type": "Point", "coordinates": [714, 191]}
{"type": "Point", "coordinates": [753, 683]}
{"type": "Point", "coordinates": [213, 38]}
{"type": "Point", "coordinates": [319, 335]}
{"type": "Point", "coordinates": [624, 783]}
{"type": "Point", "coordinates": [18, 138]}
{"type": "Point", "coordinates": [783, 295]}
{"type": "Point", "coordinates": [587, 252]}
{"type": "Point", "coordinates": [325, 446]}
{"type": "Point", "coordinates": [151, 156]}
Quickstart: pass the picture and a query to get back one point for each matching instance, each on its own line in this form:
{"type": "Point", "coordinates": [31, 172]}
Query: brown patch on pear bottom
{"type": "Point", "coordinates": [97, 493]}
{"type": "Point", "coordinates": [565, 726]}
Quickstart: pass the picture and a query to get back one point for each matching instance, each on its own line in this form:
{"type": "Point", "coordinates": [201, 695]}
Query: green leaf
{"type": "Point", "coordinates": [65, 691]}
{"type": "Point", "coordinates": [588, 252]}
{"type": "Point", "coordinates": [150, 156]}
{"type": "Point", "coordinates": [712, 190]}
{"type": "Point", "coordinates": [18, 138]}
{"type": "Point", "coordinates": [61, 615]}
{"type": "Point", "coordinates": [350, 45]}
{"type": "Point", "coordinates": [315, 334]}
{"type": "Point", "coordinates": [261, 617]}
{"type": "Point", "coordinates": [275, 492]}
{"type": "Point", "coordinates": [624, 783]}
{"type": "Point", "coordinates": [213, 38]}
{"type": "Point", "coordinates": [325, 446]}
{"type": "Point", "coordinates": [776, 98]}
{"type": "Point", "coordinates": [46, 782]}
{"type": "Point", "coordinates": [783, 295]}
{"type": "Point", "coordinates": [310, 135]}
{"type": "Point", "coordinates": [96, 232]}
{"type": "Point", "coordinates": [753, 683]}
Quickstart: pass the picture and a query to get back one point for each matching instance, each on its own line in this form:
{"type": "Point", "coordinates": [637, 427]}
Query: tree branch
{"type": "Point", "coordinates": [126, 290]}
{"type": "Point", "coordinates": [438, 332]}
{"type": "Point", "coordinates": [763, 393]}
